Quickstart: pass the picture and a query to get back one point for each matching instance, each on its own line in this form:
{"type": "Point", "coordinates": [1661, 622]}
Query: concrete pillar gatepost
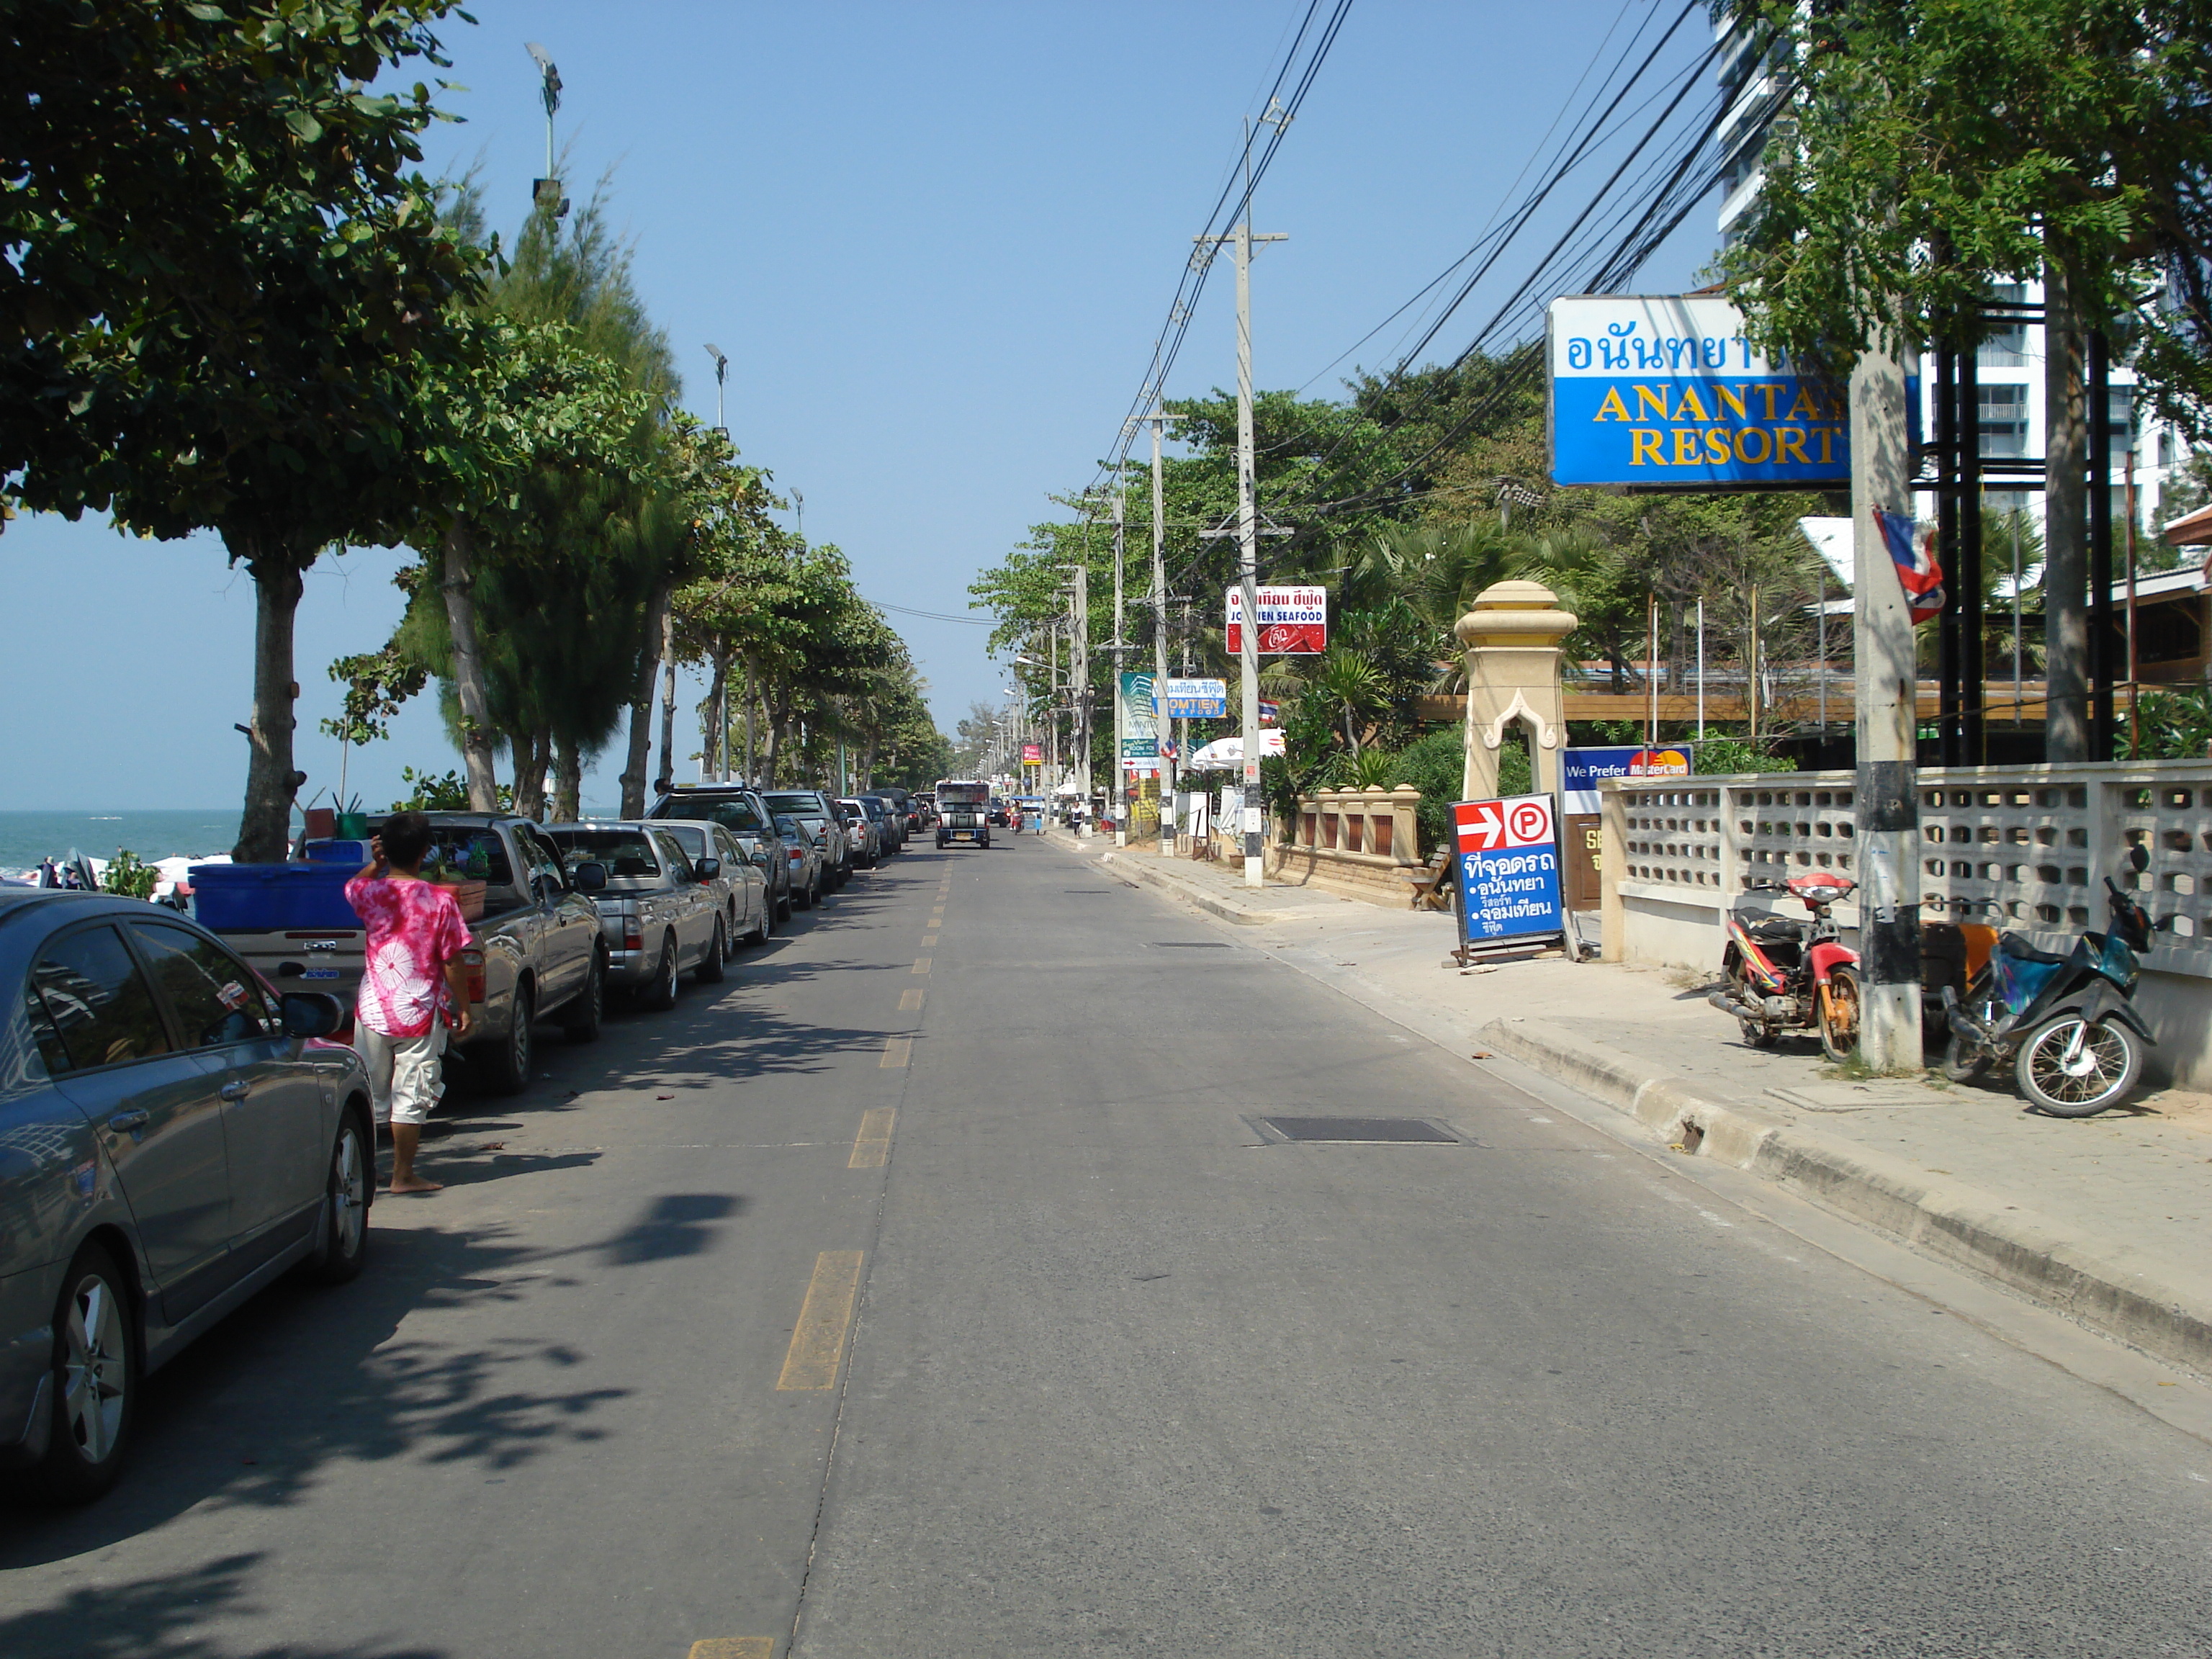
{"type": "Point", "coordinates": [1512, 638]}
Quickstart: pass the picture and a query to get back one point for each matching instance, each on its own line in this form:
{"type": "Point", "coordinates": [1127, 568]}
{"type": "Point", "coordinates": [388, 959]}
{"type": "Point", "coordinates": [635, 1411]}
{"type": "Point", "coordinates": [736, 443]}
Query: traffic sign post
{"type": "Point", "coordinates": [1508, 855]}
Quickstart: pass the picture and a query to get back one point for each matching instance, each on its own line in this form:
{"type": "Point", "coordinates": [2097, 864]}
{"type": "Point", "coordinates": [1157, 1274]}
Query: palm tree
{"type": "Point", "coordinates": [1346, 679]}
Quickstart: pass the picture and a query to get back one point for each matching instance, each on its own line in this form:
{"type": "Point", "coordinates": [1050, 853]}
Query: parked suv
{"type": "Point", "coordinates": [739, 810]}
{"type": "Point", "coordinates": [810, 805]}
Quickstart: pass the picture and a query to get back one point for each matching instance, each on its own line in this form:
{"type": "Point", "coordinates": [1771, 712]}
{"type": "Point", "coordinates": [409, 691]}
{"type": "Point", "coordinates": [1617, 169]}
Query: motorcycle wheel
{"type": "Point", "coordinates": [1840, 1016]}
{"type": "Point", "coordinates": [1964, 1059]}
{"type": "Point", "coordinates": [2099, 1075]}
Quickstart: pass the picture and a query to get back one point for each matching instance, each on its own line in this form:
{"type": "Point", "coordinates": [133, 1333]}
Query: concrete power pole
{"type": "Point", "coordinates": [1079, 664]}
{"type": "Point", "coordinates": [1247, 527]}
{"type": "Point", "coordinates": [1889, 799]}
{"type": "Point", "coordinates": [1166, 768]}
{"type": "Point", "coordinates": [1119, 649]}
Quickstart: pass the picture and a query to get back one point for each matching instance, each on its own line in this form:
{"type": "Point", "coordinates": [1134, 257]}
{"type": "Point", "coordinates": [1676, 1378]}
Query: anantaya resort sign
{"type": "Point", "coordinates": [1663, 392]}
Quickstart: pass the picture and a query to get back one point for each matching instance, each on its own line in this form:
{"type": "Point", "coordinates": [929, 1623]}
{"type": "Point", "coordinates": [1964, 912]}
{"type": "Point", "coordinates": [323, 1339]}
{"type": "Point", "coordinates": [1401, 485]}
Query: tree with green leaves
{"type": "Point", "coordinates": [226, 285]}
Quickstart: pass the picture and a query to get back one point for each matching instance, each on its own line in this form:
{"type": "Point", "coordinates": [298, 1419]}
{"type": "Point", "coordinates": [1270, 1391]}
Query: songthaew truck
{"type": "Point", "coordinates": [963, 813]}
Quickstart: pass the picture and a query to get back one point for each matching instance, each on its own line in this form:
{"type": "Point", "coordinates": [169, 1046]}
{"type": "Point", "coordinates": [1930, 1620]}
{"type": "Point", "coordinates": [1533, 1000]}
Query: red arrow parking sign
{"type": "Point", "coordinates": [1490, 826]}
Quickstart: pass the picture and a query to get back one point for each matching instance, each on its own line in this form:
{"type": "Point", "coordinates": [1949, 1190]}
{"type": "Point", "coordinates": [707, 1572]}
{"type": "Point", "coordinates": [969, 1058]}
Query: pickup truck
{"type": "Point", "coordinates": [537, 951]}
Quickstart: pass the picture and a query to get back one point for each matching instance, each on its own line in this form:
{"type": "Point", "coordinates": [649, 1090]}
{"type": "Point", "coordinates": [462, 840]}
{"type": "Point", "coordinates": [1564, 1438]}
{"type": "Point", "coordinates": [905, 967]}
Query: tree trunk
{"type": "Point", "coordinates": [711, 760]}
{"type": "Point", "coordinates": [468, 669]}
{"type": "Point", "coordinates": [265, 827]}
{"type": "Point", "coordinates": [532, 754]}
{"type": "Point", "coordinates": [775, 745]}
{"type": "Point", "coordinates": [2066, 519]}
{"type": "Point", "coordinates": [868, 763]}
{"type": "Point", "coordinates": [641, 714]}
{"type": "Point", "coordinates": [567, 782]}
{"type": "Point", "coordinates": [752, 697]}
{"type": "Point", "coordinates": [666, 776]}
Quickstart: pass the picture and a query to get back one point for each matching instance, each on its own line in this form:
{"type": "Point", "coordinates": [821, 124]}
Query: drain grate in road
{"type": "Point", "coordinates": [1399, 1129]}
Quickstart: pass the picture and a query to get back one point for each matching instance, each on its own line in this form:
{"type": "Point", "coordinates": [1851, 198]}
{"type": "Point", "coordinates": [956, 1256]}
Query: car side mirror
{"type": "Point", "coordinates": [312, 1013]}
{"type": "Point", "coordinates": [708, 868]}
{"type": "Point", "coordinates": [760, 857]}
{"type": "Point", "coordinates": [590, 877]}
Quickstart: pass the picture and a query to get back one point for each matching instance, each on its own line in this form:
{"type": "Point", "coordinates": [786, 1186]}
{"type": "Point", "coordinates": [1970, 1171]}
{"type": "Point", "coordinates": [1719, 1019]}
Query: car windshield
{"type": "Point", "coordinates": [794, 800]}
{"type": "Point", "coordinates": [624, 852]}
{"type": "Point", "coordinates": [731, 812]}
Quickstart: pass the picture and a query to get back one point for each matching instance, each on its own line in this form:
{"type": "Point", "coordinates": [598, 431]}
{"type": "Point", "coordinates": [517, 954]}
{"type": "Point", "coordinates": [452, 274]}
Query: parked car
{"type": "Point", "coordinates": [889, 818]}
{"type": "Point", "coordinates": [173, 1135]}
{"type": "Point", "coordinates": [738, 886]}
{"type": "Point", "coordinates": [739, 810]}
{"type": "Point", "coordinates": [867, 840]}
{"type": "Point", "coordinates": [804, 861]}
{"type": "Point", "coordinates": [534, 951]}
{"type": "Point", "coordinates": [814, 803]}
{"type": "Point", "coordinates": [658, 915]}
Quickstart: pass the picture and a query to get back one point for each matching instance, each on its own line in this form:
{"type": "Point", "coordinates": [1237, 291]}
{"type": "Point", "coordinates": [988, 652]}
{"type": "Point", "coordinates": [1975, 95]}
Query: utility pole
{"type": "Point", "coordinates": [1248, 515]}
{"type": "Point", "coordinates": [1120, 648]}
{"type": "Point", "coordinates": [1887, 794]}
{"type": "Point", "coordinates": [1167, 767]}
{"type": "Point", "coordinates": [1080, 667]}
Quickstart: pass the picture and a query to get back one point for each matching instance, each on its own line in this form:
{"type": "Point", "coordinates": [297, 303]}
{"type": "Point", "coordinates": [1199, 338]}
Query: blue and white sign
{"type": "Point", "coordinates": [1509, 869]}
{"type": "Point", "coordinates": [1581, 769]}
{"type": "Point", "coordinates": [1663, 392]}
{"type": "Point", "coordinates": [1194, 699]}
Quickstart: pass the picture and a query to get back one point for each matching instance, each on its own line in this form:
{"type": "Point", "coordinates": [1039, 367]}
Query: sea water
{"type": "Point", "coordinates": [26, 837]}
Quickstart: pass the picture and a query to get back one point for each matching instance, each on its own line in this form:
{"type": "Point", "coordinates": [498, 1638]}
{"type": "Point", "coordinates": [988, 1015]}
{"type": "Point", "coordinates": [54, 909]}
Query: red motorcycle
{"type": "Point", "coordinates": [1784, 974]}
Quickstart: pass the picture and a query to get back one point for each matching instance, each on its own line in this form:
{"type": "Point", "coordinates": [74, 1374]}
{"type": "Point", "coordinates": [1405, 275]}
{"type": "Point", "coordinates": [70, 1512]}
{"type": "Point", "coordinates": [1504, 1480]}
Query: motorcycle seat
{"type": "Point", "coordinates": [1780, 929]}
{"type": "Point", "coordinates": [2020, 951]}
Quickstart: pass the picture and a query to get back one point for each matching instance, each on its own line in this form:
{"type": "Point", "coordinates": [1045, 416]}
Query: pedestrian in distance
{"type": "Point", "coordinates": [414, 986]}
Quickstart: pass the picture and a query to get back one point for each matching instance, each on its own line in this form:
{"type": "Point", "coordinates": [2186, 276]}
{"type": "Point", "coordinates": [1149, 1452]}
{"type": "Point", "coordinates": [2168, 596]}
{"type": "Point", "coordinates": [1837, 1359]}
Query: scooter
{"type": "Point", "coordinates": [2064, 1023]}
{"type": "Point", "coordinates": [1784, 974]}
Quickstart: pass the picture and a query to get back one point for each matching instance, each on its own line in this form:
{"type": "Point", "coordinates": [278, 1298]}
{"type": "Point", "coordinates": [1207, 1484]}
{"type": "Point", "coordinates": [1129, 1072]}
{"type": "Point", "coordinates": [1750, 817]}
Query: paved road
{"type": "Point", "coordinates": [931, 1289]}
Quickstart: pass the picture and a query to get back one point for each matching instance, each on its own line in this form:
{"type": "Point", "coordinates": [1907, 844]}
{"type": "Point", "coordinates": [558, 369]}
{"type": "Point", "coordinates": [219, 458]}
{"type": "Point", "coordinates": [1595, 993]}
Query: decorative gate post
{"type": "Point", "coordinates": [1512, 638]}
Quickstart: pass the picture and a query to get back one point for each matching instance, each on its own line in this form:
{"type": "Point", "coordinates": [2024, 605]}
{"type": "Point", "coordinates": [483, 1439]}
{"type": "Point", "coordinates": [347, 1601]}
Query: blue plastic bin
{"type": "Point", "coordinates": [266, 897]}
{"type": "Point", "coordinates": [351, 853]}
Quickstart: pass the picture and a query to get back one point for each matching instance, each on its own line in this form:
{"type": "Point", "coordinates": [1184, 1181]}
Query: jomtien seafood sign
{"type": "Point", "coordinates": [1663, 392]}
{"type": "Point", "coordinates": [1293, 621]}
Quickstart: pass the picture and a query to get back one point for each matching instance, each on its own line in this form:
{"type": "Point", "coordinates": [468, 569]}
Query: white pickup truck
{"type": "Point", "coordinates": [537, 951]}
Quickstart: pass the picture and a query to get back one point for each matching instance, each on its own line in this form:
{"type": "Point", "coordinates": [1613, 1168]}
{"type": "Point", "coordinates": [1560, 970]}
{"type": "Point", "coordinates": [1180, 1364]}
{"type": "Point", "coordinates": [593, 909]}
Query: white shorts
{"type": "Point", "coordinates": [405, 1078]}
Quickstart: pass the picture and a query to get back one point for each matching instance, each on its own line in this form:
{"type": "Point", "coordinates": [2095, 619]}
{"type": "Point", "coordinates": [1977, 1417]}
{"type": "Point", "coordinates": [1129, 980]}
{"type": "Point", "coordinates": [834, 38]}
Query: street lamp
{"type": "Point", "coordinates": [721, 374]}
{"type": "Point", "coordinates": [546, 192]}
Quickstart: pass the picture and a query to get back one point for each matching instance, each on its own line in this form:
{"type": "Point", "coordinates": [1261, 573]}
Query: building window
{"type": "Point", "coordinates": [2004, 420]}
{"type": "Point", "coordinates": [2006, 346]}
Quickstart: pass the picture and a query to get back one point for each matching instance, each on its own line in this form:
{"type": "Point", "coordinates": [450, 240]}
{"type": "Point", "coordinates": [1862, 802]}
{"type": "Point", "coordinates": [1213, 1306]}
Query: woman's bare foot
{"type": "Point", "coordinates": [416, 1184]}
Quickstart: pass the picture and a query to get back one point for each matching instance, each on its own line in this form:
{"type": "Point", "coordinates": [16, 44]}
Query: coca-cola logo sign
{"type": "Point", "coordinates": [1294, 622]}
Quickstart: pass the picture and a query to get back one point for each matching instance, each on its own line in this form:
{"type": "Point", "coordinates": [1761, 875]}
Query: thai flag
{"type": "Point", "coordinates": [1914, 554]}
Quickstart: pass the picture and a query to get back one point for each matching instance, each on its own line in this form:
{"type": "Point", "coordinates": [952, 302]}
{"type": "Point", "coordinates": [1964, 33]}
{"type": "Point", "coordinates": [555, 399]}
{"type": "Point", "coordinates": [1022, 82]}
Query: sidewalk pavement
{"type": "Point", "coordinates": [2105, 1219]}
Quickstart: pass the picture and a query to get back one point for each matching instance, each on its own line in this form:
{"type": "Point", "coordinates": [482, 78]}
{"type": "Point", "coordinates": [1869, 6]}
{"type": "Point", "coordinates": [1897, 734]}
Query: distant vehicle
{"type": "Point", "coordinates": [892, 835]}
{"type": "Point", "coordinates": [739, 809]}
{"type": "Point", "coordinates": [1002, 813]}
{"type": "Point", "coordinates": [659, 914]}
{"type": "Point", "coordinates": [533, 952]}
{"type": "Point", "coordinates": [963, 813]}
{"type": "Point", "coordinates": [861, 831]}
{"type": "Point", "coordinates": [173, 1136]}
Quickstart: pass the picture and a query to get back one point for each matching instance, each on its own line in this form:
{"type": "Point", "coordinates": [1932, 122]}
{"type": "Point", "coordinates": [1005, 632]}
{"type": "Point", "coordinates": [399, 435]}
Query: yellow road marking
{"type": "Point", "coordinates": [735, 1647]}
{"type": "Point", "coordinates": [894, 1054]}
{"type": "Point", "coordinates": [871, 1147]}
{"type": "Point", "coordinates": [910, 999]}
{"type": "Point", "coordinates": [818, 1339]}
{"type": "Point", "coordinates": [921, 965]}
{"type": "Point", "coordinates": [929, 938]}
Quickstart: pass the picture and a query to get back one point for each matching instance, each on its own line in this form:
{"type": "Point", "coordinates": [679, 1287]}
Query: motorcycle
{"type": "Point", "coordinates": [1784, 974]}
{"type": "Point", "coordinates": [2065, 1023]}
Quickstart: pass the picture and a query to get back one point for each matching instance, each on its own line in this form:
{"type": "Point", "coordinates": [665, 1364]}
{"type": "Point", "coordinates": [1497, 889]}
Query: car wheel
{"type": "Point", "coordinates": [804, 899]}
{"type": "Point", "coordinates": [667, 977]}
{"type": "Point", "coordinates": [345, 1215]}
{"type": "Point", "coordinates": [93, 1383]}
{"type": "Point", "coordinates": [579, 1022]}
{"type": "Point", "coordinates": [731, 940]}
{"type": "Point", "coordinates": [711, 968]}
{"type": "Point", "coordinates": [783, 906]}
{"type": "Point", "coordinates": [766, 924]}
{"type": "Point", "coordinates": [507, 1072]}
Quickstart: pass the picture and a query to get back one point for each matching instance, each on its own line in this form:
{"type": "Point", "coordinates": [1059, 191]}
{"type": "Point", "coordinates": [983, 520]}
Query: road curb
{"type": "Point", "coordinates": [1241, 914]}
{"type": "Point", "coordinates": [1951, 1221]}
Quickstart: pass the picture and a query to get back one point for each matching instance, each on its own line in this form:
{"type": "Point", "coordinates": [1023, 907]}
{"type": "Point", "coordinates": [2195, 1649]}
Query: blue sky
{"type": "Point", "coordinates": [937, 242]}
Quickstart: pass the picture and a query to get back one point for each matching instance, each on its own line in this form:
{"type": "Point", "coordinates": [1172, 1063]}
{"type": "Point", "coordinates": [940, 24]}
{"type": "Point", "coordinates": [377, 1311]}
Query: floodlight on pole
{"type": "Point", "coordinates": [721, 374]}
{"type": "Point", "coordinates": [546, 192]}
